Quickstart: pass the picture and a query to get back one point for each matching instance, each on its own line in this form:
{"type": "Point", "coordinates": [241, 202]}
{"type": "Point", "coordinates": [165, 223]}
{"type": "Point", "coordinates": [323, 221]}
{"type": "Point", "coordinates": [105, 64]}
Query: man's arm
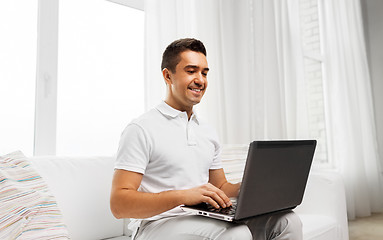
{"type": "Point", "coordinates": [127, 202]}
{"type": "Point", "coordinates": [218, 179]}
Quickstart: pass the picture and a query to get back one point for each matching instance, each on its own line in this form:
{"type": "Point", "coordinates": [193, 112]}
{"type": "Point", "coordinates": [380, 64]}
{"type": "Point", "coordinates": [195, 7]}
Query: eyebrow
{"type": "Point", "coordinates": [195, 66]}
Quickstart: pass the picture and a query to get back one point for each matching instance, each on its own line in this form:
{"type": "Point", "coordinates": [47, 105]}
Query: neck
{"type": "Point", "coordinates": [189, 111]}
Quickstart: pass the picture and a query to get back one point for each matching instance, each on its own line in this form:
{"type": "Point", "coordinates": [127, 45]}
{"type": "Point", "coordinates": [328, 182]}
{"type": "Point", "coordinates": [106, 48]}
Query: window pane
{"type": "Point", "coordinates": [18, 27]}
{"type": "Point", "coordinates": [310, 27]}
{"type": "Point", "coordinates": [100, 75]}
{"type": "Point", "coordinates": [313, 68]}
{"type": "Point", "coordinates": [313, 75]}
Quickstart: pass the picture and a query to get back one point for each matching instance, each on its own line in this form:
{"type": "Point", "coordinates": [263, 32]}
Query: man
{"type": "Point", "coordinates": [169, 157]}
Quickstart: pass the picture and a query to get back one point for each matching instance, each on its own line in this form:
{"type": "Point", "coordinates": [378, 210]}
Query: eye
{"type": "Point", "coordinates": [191, 71]}
{"type": "Point", "coordinates": [204, 73]}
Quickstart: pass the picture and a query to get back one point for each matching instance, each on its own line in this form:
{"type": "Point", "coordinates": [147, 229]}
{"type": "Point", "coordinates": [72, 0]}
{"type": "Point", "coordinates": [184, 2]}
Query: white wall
{"type": "Point", "coordinates": [373, 24]}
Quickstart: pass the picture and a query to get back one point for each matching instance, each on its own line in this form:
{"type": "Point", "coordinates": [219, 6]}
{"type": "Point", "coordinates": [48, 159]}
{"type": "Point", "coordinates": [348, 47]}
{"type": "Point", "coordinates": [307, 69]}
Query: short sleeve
{"type": "Point", "coordinates": [134, 149]}
{"type": "Point", "coordinates": [216, 163]}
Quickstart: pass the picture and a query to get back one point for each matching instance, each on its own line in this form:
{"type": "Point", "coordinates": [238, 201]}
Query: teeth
{"type": "Point", "coordinates": [196, 90]}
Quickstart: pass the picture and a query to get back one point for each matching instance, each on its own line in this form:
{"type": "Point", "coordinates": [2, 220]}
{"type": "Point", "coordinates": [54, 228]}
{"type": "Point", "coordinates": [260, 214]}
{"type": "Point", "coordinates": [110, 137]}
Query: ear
{"type": "Point", "coordinates": [166, 73]}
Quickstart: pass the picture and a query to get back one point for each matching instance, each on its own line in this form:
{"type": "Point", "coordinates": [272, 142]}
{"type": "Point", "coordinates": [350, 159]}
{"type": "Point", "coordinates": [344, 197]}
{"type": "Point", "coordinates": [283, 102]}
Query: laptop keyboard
{"type": "Point", "coordinates": [227, 211]}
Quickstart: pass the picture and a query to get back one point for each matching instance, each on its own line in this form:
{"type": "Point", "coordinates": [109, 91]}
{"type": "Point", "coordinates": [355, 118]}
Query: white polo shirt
{"type": "Point", "coordinates": [172, 152]}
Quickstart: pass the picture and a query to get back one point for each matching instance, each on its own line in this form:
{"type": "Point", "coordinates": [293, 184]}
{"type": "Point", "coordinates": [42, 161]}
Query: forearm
{"type": "Point", "coordinates": [134, 204]}
{"type": "Point", "coordinates": [218, 179]}
{"type": "Point", "coordinates": [130, 203]}
{"type": "Point", "coordinates": [231, 190]}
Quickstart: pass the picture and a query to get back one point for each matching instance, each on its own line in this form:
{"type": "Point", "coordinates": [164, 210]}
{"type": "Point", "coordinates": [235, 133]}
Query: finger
{"type": "Point", "coordinates": [221, 196]}
{"type": "Point", "coordinates": [210, 201]}
{"type": "Point", "coordinates": [216, 198]}
{"type": "Point", "coordinates": [225, 198]}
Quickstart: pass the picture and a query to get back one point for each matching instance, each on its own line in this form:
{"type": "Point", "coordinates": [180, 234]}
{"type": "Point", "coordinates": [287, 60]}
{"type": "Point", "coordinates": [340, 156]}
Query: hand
{"type": "Point", "coordinates": [206, 193]}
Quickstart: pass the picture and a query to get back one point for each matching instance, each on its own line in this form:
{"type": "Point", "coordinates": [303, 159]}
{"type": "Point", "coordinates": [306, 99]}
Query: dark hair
{"type": "Point", "coordinates": [171, 55]}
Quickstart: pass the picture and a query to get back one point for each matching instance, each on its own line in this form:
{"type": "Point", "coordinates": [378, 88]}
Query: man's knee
{"type": "Point", "coordinates": [293, 229]}
{"type": "Point", "coordinates": [239, 232]}
{"type": "Point", "coordinates": [289, 227]}
{"type": "Point", "coordinates": [294, 220]}
{"type": "Point", "coordinates": [281, 226]}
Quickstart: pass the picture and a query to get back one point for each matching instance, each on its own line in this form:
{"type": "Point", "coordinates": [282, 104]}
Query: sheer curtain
{"type": "Point", "coordinates": [256, 85]}
{"type": "Point", "coordinates": [256, 89]}
{"type": "Point", "coordinates": [349, 107]}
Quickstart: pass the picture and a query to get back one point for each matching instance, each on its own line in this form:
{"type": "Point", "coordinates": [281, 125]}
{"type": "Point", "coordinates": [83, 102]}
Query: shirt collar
{"type": "Point", "coordinates": [167, 110]}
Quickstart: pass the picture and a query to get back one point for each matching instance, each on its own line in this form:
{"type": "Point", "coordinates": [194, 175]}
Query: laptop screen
{"type": "Point", "coordinates": [275, 176]}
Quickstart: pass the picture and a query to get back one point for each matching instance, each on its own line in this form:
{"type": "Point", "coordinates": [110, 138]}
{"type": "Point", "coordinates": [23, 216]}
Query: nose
{"type": "Point", "coordinates": [199, 80]}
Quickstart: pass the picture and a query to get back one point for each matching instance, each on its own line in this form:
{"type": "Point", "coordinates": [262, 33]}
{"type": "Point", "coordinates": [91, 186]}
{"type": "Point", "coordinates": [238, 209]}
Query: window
{"type": "Point", "coordinates": [18, 27]}
{"type": "Point", "coordinates": [313, 63]}
{"type": "Point", "coordinates": [100, 75]}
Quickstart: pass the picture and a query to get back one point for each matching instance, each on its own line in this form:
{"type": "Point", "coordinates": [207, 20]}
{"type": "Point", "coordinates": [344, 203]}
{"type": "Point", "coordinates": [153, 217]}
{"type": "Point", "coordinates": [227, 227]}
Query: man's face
{"type": "Point", "coordinates": [187, 85]}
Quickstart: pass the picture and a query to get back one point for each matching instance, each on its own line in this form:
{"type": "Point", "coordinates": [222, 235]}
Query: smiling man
{"type": "Point", "coordinates": [187, 82]}
{"type": "Point", "coordinates": [168, 157]}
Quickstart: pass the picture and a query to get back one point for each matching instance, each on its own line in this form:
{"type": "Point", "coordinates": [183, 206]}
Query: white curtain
{"type": "Point", "coordinates": [256, 85]}
{"type": "Point", "coordinates": [256, 88]}
{"type": "Point", "coordinates": [349, 107]}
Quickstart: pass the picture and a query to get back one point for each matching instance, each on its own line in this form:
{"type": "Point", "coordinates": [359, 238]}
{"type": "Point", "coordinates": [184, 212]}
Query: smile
{"type": "Point", "coordinates": [195, 90]}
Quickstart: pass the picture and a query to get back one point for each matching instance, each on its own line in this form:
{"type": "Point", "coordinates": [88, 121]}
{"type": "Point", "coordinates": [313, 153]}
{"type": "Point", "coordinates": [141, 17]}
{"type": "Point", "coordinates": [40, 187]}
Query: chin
{"type": "Point", "coordinates": [195, 101]}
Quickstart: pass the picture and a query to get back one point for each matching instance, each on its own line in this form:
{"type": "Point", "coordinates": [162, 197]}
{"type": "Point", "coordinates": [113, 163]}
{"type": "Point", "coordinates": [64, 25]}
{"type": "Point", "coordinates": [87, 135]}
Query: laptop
{"type": "Point", "coordinates": [274, 180]}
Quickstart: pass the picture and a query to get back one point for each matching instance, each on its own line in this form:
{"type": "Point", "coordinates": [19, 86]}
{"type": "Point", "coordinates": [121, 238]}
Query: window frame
{"type": "Point", "coordinates": [46, 74]}
{"type": "Point", "coordinates": [321, 59]}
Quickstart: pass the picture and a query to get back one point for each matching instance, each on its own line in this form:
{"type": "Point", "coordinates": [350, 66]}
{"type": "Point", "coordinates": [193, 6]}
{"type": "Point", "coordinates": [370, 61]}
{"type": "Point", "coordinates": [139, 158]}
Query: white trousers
{"type": "Point", "coordinates": [277, 226]}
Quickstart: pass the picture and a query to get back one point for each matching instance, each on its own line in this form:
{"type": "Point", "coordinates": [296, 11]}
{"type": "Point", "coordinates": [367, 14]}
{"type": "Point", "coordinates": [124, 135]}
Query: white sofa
{"type": "Point", "coordinates": [82, 185]}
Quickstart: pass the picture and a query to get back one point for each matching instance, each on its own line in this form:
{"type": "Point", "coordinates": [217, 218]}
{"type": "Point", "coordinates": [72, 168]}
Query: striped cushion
{"type": "Point", "coordinates": [27, 209]}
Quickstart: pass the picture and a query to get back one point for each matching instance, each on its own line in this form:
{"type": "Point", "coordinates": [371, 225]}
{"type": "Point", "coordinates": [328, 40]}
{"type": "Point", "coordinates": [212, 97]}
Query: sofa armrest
{"type": "Point", "coordinates": [81, 186]}
{"type": "Point", "coordinates": [325, 195]}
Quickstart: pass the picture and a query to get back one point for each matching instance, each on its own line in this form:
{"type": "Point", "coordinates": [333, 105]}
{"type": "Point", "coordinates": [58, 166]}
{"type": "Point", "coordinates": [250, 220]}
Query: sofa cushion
{"type": "Point", "coordinates": [82, 188]}
{"type": "Point", "coordinates": [28, 209]}
{"type": "Point", "coordinates": [319, 227]}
